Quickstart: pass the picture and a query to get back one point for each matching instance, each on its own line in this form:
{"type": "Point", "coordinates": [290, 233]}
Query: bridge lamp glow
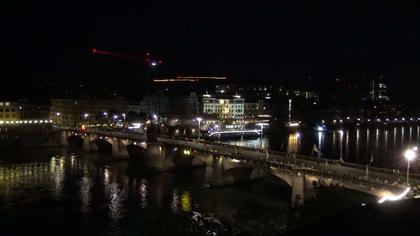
{"type": "Point", "coordinates": [409, 155]}
{"type": "Point", "coordinates": [105, 114]}
{"type": "Point", "coordinates": [320, 128]}
{"type": "Point", "coordinates": [394, 197]}
{"type": "Point", "coordinates": [187, 152]}
{"type": "Point", "coordinates": [85, 115]}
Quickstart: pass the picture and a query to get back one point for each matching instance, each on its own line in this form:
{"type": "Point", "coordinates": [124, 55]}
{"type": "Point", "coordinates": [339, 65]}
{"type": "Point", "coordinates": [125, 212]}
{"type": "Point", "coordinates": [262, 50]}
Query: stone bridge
{"type": "Point", "coordinates": [229, 164]}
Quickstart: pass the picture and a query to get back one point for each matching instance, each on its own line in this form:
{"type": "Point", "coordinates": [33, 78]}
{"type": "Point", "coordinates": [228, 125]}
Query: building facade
{"type": "Point", "coordinates": [73, 111]}
{"type": "Point", "coordinates": [8, 111]}
{"type": "Point", "coordinates": [378, 91]}
{"type": "Point", "coordinates": [223, 108]}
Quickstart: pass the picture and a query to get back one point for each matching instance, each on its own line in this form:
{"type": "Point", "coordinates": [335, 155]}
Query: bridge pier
{"type": "Point", "coordinates": [119, 150]}
{"type": "Point", "coordinates": [225, 171]}
{"type": "Point", "coordinates": [63, 139]}
{"type": "Point", "coordinates": [89, 144]}
{"type": "Point", "coordinates": [298, 190]}
{"type": "Point", "coordinates": [156, 158]}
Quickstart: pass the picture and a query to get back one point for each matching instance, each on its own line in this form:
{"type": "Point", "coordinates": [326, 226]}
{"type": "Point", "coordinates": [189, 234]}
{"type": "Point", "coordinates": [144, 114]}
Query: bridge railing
{"type": "Point", "coordinates": [327, 173]}
{"type": "Point", "coordinates": [125, 135]}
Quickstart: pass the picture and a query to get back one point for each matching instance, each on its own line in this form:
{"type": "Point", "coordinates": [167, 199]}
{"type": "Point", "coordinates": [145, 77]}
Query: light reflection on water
{"type": "Point", "coordinates": [385, 144]}
{"type": "Point", "coordinates": [90, 192]}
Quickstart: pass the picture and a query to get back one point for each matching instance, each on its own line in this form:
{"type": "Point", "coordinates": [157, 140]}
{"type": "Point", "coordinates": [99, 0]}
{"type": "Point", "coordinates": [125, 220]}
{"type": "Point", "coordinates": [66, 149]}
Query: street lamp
{"type": "Point", "coordinates": [199, 119]}
{"type": "Point", "coordinates": [85, 115]}
{"type": "Point", "coordinates": [409, 154]}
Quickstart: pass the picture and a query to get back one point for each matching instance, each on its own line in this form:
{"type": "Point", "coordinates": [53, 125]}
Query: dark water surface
{"type": "Point", "coordinates": [58, 192]}
{"type": "Point", "coordinates": [51, 191]}
{"type": "Point", "coordinates": [383, 145]}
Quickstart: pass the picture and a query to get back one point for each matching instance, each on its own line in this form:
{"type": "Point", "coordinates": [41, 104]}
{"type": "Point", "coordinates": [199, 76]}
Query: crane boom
{"type": "Point", "coordinates": [147, 59]}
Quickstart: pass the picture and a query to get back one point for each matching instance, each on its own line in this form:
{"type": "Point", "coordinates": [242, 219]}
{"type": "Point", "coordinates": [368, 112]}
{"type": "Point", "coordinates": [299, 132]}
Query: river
{"type": "Point", "coordinates": [57, 192]}
{"type": "Point", "coordinates": [382, 146]}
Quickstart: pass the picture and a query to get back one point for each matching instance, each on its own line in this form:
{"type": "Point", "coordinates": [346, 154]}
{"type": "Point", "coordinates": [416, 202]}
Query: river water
{"type": "Point", "coordinates": [382, 146]}
{"type": "Point", "coordinates": [66, 192]}
{"type": "Point", "coordinates": [51, 191]}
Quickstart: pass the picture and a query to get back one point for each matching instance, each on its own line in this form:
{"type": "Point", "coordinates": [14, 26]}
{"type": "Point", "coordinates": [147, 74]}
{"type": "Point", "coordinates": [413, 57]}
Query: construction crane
{"type": "Point", "coordinates": [148, 59]}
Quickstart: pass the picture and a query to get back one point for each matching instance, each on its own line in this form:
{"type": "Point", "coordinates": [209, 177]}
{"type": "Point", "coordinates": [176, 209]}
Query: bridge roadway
{"type": "Point", "coordinates": [378, 181]}
{"type": "Point", "coordinates": [329, 168]}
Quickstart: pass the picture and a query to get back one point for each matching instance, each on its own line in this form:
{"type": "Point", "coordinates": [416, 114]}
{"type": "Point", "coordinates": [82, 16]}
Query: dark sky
{"type": "Point", "coordinates": [281, 43]}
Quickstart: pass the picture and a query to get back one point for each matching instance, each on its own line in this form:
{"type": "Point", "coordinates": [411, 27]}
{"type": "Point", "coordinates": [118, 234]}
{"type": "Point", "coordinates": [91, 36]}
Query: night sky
{"type": "Point", "coordinates": [283, 43]}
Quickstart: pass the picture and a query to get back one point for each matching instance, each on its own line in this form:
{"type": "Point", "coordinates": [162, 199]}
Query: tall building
{"type": "Point", "coordinates": [378, 90]}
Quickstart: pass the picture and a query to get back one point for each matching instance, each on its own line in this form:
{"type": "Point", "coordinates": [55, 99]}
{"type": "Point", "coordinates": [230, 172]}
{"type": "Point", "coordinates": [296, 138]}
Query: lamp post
{"type": "Point", "coordinates": [155, 117]}
{"type": "Point", "coordinates": [85, 116]}
{"type": "Point", "coordinates": [123, 115]}
{"type": "Point", "coordinates": [341, 145]}
{"type": "Point", "coordinates": [261, 133]}
{"type": "Point", "coordinates": [409, 154]}
{"type": "Point", "coordinates": [261, 129]}
{"type": "Point", "coordinates": [199, 119]}
{"type": "Point", "coordinates": [57, 115]}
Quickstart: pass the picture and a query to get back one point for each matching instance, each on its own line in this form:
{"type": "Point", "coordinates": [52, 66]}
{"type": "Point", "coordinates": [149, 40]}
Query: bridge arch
{"type": "Point", "coordinates": [75, 140]}
{"type": "Point", "coordinates": [104, 146]}
{"type": "Point", "coordinates": [136, 151]}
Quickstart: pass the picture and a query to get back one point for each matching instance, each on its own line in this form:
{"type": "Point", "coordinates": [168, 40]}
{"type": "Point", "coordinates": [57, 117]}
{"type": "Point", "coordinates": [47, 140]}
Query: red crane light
{"type": "Point", "coordinates": [147, 59]}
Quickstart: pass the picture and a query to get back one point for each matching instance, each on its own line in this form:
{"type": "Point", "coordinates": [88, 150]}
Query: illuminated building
{"type": "Point", "coordinates": [223, 108]}
{"type": "Point", "coordinates": [8, 110]}
{"type": "Point", "coordinates": [378, 91]}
